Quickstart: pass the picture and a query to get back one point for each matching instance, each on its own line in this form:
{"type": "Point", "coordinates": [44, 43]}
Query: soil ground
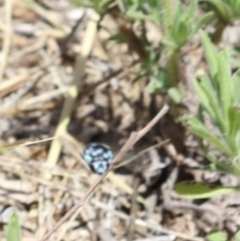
{"type": "Point", "coordinates": [35, 80]}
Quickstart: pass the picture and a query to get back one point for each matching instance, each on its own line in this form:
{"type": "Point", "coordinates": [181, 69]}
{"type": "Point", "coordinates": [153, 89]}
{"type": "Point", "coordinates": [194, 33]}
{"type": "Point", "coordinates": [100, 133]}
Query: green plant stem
{"type": "Point", "coordinates": [172, 69]}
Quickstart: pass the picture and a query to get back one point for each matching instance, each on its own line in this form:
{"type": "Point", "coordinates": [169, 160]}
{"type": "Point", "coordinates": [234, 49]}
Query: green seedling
{"type": "Point", "coordinates": [219, 95]}
{"type": "Point", "coordinates": [13, 228]}
{"type": "Point", "coordinates": [179, 28]}
{"type": "Point", "coordinates": [176, 21]}
{"type": "Point", "coordinates": [226, 12]}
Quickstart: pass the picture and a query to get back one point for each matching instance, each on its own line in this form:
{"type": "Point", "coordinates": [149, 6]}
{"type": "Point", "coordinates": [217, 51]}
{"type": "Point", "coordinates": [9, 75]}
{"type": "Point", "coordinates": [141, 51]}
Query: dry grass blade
{"type": "Point", "coordinates": [43, 13]}
{"type": "Point", "coordinates": [23, 143]}
{"type": "Point", "coordinates": [8, 85]}
{"type": "Point", "coordinates": [68, 106]}
{"type": "Point", "coordinates": [124, 186]}
{"type": "Point", "coordinates": [134, 137]}
{"type": "Point", "coordinates": [134, 209]}
{"type": "Point", "coordinates": [7, 36]}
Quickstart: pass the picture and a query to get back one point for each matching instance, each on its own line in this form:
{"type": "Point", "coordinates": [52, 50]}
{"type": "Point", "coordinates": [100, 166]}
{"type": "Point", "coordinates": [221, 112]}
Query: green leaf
{"type": "Point", "coordinates": [200, 130]}
{"type": "Point", "coordinates": [237, 236]}
{"type": "Point", "coordinates": [13, 229]}
{"type": "Point", "coordinates": [210, 53]}
{"type": "Point", "coordinates": [234, 118]}
{"type": "Point", "coordinates": [175, 94]}
{"type": "Point", "coordinates": [167, 14]}
{"type": "Point", "coordinates": [202, 21]}
{"type": "Point", "coordinates": [177, 18]}
{"type": "Point", "coordinates": [214, 167]}
{"type": "Point", "coordinates": [237, 139]}
{"type": "Point", "coordinates": [236, 165]}
{"type": "Point", "coordinates": [169, 42]}
{"type": "Point", "coordinates": [217, 236]}
{"type": "Point", "coordinates": [236, 87]}
{"type": "Point", "coordinates": [206, 94]}
{"type": "Point", "coordinates": [224, 78]}
{"type": "Point", "coordinates": [211, 104]}
{"type": "Point", "coordinates": [197, 190]}
{"type": "Point", "coordinates": [158, 83]}
{"type": "Point", "coordinates": [223, 9]}
{"type": "Point", "coordinates": [181, 33]}
{"type": "Point", "coordinates": [225, 167]}
{"type": "Point", "coordinates": [190, 12]}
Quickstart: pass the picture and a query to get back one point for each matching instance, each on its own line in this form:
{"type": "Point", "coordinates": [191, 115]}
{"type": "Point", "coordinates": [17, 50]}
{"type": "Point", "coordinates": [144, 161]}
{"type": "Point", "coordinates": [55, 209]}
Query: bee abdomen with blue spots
{"type": "Point", "coordinates": [98, 156]}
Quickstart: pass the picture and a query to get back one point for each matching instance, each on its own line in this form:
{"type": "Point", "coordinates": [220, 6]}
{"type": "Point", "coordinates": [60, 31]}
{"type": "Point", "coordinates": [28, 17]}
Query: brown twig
{"type": "Point", "coordinates": [134, 137]}
{"type": "Point", "coordinates": [65, 42]}
{"type": "Point", "coordinates": [141, 153]}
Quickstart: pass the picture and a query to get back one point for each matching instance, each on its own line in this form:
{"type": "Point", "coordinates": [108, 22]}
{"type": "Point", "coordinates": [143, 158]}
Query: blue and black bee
{"type": "Point", "coordinates": [98, 156]}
